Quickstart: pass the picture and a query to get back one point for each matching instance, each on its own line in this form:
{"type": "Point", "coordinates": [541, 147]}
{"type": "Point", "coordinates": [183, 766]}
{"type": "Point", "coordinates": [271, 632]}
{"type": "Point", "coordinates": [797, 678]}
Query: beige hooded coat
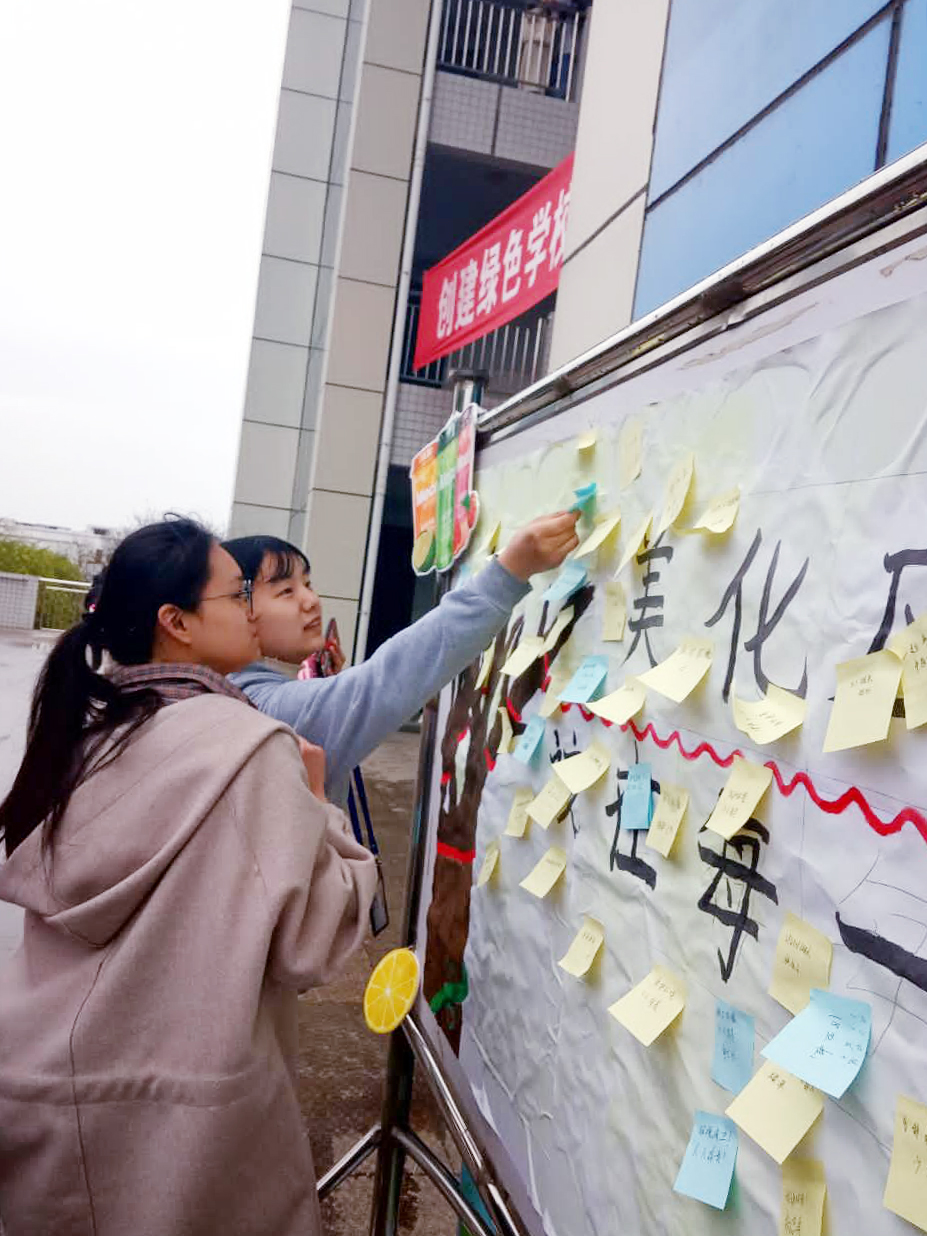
{"type": "Point", "coordinates": [148, 1023]}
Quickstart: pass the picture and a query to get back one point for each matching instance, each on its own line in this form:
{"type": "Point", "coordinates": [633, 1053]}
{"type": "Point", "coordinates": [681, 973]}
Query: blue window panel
{"type": "Point", "coordinates": [728, 59]}
{"type": "Point", "coordinates": [908, 126]}
{"type": "Point", "coordinates": [816, 144]}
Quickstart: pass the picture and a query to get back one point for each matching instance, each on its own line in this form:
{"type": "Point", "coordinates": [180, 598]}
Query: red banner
{"type": "Point", "coordinates": [508, 266]}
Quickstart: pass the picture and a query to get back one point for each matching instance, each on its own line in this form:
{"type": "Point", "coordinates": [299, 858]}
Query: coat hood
{"type": "Point", "coordinates": [172, 773]}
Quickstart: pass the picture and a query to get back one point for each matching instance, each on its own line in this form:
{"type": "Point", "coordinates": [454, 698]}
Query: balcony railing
{"type": "Point", "coordinates": [512, 357]}
{"type": "Point", "coordinates": [530, 47]}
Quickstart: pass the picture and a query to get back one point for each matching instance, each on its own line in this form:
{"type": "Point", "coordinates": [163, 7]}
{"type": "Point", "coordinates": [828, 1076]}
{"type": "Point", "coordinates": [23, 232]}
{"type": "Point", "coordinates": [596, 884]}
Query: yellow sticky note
{"type": "Point", "coordinates": [518, 815]}
{"type": "Point", "coordinates": [621, 705]}
{"type": "Point", "coordinates": [802, 961]}
{"type": "Point", "coordinates": [581, 953]}
{"type": "Point", "coordinates": [776, 1110]}
{"type": "Point", "coordinates": [579, 772]}
{"type": "Point", "coordinates": [652, 1005]}
{"type": "Point", "coordinates": [505, 741]}
{"type": "Point", "coordinates": [542, 878]}
{"type": "Point", "coordinates": [616, 612]}
{"type": "Point", "coordinates": [911, 645]}
{"type": "Point", "coordinates": [745, 786]}
{"type": "Point", "coordinates": [489, 545]}
{"type": "Point", "coordinates": [490, 859]}
{"type": "Point", "coordinates": [634, 541]}
{"type": "Point", "coordinates": [720, 513]}
{"type": "Point", "coordinates": [803, 1190]}
{"type": "Point", "coordinates": [677, 490]}
{"type": "Point", "coordinates": [866, 691]}
{"type": "Point", "coordinates": [586, 441]}
{"type": "Point", "coordinates": [550, 639]}
{"type": "Point", "coordinates": [682, 670]}
{"type": "Point", "coordinates": [485, 666]}
{"type": "Point", "coordinates": [550, 803]}
{"type": "Point", "coordinates": [906, 1189]}
{"type": "Point", "coordinates": [671, 807]}
{"type": "Point", "coordinates": [630, 452]}
{"type": "Point", "coordinates": [599, 534]}
{"type": "Point", "coordinates": [770, 718]}
{"type": "Point", "coordinates": [528, 650]}
{"type": "Point", "coordinates": [550, 701]}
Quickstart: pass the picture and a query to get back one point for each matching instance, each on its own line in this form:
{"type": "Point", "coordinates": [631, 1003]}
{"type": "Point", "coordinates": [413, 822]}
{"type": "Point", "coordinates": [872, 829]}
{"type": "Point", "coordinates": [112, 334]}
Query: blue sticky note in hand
{"type": "Point", "coordinates": [587, 682]}
{"type": "Point", "coordinates": [571, 577]}
{"type": "Point", "coordinates": [708, 1167]}
{"type": "Point", "coordinates": [826, 1044]}
{"type": "Point", "coordinates": [732, 1066]}
{"type": "Point", "coordinates": [585, 499]}
{"type": "Point", "coordinates": [530, 740]}
{"type": "Point", "coordinates": [637, 800]}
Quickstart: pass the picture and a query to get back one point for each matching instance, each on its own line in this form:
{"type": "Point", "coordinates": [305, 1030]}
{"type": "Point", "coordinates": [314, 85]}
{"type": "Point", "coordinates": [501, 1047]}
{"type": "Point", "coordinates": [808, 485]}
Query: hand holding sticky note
{"type": "Point", "coordinates": [732, 1065]}
{"type": "Point", "coordinates": [652, 1005]}
{"type": "Point", "coordinates": [802, 961]}
{"type": "Point", "coordinates": [581, 953]}
{"type": "Point", "coordinates": [682, 670]}
{"type": "Point", "coordinates": [745, 786]}
{"type": "Point", "coordinates": [776, 1110]}
{"type": "Point", "coordinates": [708, 1167]}
{"type": "Point", "coordinates": [585, 499]}
{"type": "Point", "coordinates": [862, 710]}
{"type": "Point", "coordinates": [637, 799]}
{"type": "Point", "coordinates": [586, 682]}
{"type": "Point", "coordinates": [545, 874]}
{"type": "Point", "coordinates": [826, 1043]}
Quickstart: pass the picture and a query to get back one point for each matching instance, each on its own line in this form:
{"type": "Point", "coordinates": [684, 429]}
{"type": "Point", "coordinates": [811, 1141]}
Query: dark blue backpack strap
{"type": "Point", "coordinates": [357, 781]}
{"type": "Point", "coordinates": [355, 818]}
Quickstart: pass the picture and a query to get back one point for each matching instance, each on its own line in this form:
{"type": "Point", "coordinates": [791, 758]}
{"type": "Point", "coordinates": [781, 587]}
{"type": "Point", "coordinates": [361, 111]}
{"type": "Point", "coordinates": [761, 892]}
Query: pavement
{"type": "Point", "coordinates": [342, 1065]}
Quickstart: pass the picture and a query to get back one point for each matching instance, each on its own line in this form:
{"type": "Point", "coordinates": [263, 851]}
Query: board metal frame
{"type": "Point", "coordinates": [884, 211]}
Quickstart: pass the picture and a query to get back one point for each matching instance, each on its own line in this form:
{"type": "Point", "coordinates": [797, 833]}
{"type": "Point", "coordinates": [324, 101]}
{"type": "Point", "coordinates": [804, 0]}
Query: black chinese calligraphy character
{"type": "Point", "coordinates": [766, 622]}
{"type": "Point", "coordinates": [561, 754]}
{"type": "Point", "coordinates": [736, 864]}
{"type": "Point", "coordinates": [632, 863]}
{"type": "Point", "coordinates": [649, 607]}
{"type": "Point", "coordinates": [895, 564]}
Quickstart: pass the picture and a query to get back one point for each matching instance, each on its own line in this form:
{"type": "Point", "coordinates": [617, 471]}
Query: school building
{"type": "Point", "coordinates": [700, 129]}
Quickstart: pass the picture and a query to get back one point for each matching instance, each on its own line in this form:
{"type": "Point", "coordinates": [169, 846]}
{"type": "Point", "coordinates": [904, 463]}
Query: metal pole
{"type": "Point", "coordinates": [443, 1181]}
{"type": "Point", "coordinates": [350, 1162]}
{"type": "Point", "coordinates": [395, 359]}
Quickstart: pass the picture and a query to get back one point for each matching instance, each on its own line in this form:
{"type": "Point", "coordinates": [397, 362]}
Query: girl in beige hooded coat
{"type": "Point", "coordinates": [181, 884]}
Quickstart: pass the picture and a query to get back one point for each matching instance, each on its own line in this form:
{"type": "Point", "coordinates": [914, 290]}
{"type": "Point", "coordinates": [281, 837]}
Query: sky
{"type": "Point", "coordinates": [135, 149]}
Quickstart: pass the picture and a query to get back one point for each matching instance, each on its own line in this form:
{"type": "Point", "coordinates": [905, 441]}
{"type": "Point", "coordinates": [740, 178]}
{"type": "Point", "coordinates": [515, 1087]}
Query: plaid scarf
{"type": "Point", "coordinates": [175, 681]}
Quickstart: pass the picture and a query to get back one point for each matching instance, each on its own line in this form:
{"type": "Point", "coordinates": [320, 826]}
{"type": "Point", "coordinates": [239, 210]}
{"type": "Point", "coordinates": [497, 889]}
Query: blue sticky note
{"type": "Point", "coordinates": [530, 740]}
{"type": "Point", "coordinates": [587, 682]}
{"type": "Point", "coordinates": [571, 577]}
{"type": "Point", "coordinates": [637, 801]}
{"type": "Point", "coordinates": [732, 1066]}
{"type": "Point", "coordinates": [826, 1044]}
{"type": "Point", "coordinates": [585, 499]}
{"type": "Point", "coordinates": [708, 1167]}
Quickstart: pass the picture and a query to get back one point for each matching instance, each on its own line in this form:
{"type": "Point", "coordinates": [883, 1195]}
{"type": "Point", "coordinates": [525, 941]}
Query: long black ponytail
{"type": "Point", "coordinates": [75, 708]}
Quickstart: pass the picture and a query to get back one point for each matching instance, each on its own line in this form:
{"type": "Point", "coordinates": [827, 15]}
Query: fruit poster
{"type": "Point", "coordinates": [444, 504]}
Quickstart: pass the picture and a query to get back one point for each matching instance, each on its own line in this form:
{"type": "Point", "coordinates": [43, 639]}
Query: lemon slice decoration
{"type": "Point", "coordinates": [391, 990]}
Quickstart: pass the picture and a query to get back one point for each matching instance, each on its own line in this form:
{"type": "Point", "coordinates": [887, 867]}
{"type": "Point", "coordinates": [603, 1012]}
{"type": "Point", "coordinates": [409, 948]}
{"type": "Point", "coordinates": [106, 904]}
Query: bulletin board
{"type": "Point", "coordinates": [816, 413]}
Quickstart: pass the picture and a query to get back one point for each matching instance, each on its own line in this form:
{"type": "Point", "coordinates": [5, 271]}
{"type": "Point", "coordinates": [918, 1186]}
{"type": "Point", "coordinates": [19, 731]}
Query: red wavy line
{"type": "Point", "coordinates": [490, 761]}
{"type": "Point", "coordinates": [836, 806]}
{"type": "Point", "coordinates": [458, 856]}
{"type": "Point", "coordinates": [513, 711]}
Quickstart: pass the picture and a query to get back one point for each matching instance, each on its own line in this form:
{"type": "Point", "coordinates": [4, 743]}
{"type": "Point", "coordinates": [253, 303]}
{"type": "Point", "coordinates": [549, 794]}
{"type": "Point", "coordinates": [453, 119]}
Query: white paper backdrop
{"type": "Point", "coordinates": [821, 418]}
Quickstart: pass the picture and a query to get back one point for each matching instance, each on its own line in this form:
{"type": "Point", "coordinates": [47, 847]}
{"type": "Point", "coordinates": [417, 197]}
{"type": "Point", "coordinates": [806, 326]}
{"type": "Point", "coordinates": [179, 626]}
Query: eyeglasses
{"type": "Point", "coordinates": [244, 595]}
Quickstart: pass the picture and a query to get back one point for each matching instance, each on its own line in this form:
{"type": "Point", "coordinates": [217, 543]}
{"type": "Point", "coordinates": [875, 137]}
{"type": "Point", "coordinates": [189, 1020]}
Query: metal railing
{"type": "Point", "coordinates": [512, 357]}
{"type": "Point", "coordinates": [60, 603]}
{"type": "Point", "coordinates": [529, 46]}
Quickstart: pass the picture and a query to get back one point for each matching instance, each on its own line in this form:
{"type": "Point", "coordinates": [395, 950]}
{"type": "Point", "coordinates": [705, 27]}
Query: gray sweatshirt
{"type": "Point", "coordinates": [350, 714]}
